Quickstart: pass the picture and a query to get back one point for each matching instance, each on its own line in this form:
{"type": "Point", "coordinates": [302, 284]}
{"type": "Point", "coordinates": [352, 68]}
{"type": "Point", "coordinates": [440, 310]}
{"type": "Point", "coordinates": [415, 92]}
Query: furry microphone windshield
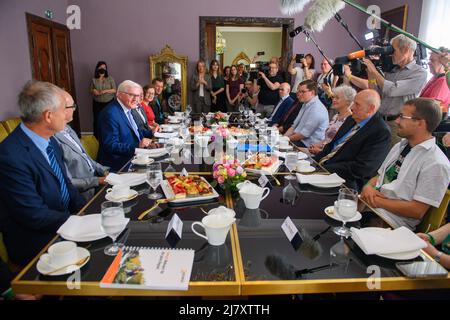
{"type": "Point", "coordinates": [321, 12]}
{"type": "Point", "coordinates": [289, 7]}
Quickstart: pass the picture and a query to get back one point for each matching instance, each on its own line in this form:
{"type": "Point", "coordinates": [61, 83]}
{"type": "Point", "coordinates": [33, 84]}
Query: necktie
{"type": "Point", "coordinates": [133, 124]}
{"type": "Point", "coordinates": [339, 146]}
{"type": "Point", "coordinates": [65, 197]}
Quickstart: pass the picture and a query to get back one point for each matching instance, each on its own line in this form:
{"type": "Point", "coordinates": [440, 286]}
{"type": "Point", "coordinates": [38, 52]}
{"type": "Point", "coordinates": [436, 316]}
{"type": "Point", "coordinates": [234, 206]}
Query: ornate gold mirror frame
{"type": "Point", "coordinates": [241, 56]}
{"type": "Point", "coordinates": [160, 67]}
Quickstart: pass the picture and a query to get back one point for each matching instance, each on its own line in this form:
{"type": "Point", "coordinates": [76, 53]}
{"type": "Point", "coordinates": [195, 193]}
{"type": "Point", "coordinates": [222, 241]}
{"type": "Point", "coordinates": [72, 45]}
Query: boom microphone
{"type": "Point", "coordinates": [280, 267]}
{"type": "Point", "coordinates": [321, 12]}
{"type": "Point", "coordinates": [371, 52]}
{"type": "Point", "coordinates": [296, 31]}
{"type": "Point", "coordinates": [289, 7]}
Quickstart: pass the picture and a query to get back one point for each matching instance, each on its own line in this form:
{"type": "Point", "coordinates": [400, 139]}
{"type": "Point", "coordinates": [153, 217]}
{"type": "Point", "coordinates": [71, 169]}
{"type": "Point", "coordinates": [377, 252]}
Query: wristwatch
{"type": "Point", "coordinates": [437, 257]}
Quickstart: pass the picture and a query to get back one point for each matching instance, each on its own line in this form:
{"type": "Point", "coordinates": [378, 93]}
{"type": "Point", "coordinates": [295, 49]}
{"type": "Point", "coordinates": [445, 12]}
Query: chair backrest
{"type": "Point", "coordinates": [11, 124]}
{"type": "Point", "coordinates": [3, 252]}
{"type": "Point", "coordinates": [91, 145]}
{"type": "Point", "coordinates": [435, 216]}
{"type": "Point", "coordinates": [3, 132]}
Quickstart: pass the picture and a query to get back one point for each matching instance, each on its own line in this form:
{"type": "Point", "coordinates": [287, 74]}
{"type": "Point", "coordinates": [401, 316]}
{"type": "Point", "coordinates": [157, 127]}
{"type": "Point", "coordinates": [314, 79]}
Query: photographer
{"type": "Point", "coordinates": [303, 72]}
{"type": "Point", "coordinates": [247, 97]}
{"type": "Point", "coordinates": [401, 84]}
{"type": "Point", "coordinates": [267, 85]}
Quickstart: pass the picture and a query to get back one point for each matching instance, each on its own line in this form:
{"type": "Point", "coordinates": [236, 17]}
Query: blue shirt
{"type": "Point", "coordinates": [312, 121]}
{"type": "Point", "coordinates": [361, 124]}
{"type": "Point", "coordinates": [40, 142]}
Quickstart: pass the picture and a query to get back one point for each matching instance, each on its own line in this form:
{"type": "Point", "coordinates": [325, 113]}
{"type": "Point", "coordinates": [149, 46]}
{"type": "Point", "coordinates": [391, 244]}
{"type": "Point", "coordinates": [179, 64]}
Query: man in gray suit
{"type": "Point", "coordinates": [84, 173]}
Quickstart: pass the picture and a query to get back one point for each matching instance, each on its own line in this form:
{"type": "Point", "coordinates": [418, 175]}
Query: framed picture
{"type": "Point", "coordinates": [398, 17]}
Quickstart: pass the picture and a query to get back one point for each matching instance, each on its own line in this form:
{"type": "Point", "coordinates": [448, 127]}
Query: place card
{"type": "Point", "coordinates": [174, 230]}
{"type": "Point", "coordinates": [264, 182]}
{"type": "Point", "coordinates": [184, 173]}
{"type": "Point", "coordinates": [292, 233]}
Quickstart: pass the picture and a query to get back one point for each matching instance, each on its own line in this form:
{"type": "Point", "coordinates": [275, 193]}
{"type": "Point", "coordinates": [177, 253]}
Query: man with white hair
{"type": "Point", "coordinates": [119, 133]}
{"type": "Point", "coordinates": [401, 84]}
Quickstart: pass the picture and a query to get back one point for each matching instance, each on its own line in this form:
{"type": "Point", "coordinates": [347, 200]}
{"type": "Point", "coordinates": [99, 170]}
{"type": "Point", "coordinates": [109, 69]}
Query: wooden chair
{"type": "Point", "coordinates": [435, 216]}
{"type": "Point", "coordinates": [11, 124]}
{"type": "Point", "coordinates": [3, 132]}
{"type": "Point", "coordinates": [91, 145]}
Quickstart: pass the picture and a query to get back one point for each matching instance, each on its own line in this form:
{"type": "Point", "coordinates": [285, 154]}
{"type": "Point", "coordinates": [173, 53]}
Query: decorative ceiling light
{"type": "Point", "coordinates": [221, 43]}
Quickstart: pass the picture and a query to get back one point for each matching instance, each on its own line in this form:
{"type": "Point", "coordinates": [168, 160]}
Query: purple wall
{"type": "Point", "coordinates": [15, 62]}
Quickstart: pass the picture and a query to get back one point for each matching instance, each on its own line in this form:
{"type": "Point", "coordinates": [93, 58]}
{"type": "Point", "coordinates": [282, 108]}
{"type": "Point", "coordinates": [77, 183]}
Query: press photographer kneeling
{"type": "Point", "coordinates": [396, 86]}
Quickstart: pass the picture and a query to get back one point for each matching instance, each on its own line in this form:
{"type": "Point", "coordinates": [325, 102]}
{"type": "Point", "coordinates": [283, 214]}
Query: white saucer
{"type": "Point", "coordinates": [310, 169]}
{"type": "Point", "coordinates": [133, 194]}
{"type": "Point", "coordinates": [43, 266]}
{"type": "Point", "coordinates": [302, 155]}
{"type": "Point", "coordinates": [329, 211]}
{"type": "Point", "coordinates": [143, 163]}
{"type": "Point", "coordinates": [326, 185]}
{"type": "Point", "coordinates": [288, 148]}
{"type": "Point", "coordinates": [157, 154]}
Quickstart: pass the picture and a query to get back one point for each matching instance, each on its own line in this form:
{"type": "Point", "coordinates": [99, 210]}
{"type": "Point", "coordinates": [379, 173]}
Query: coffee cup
{"type": "Point", "coordinates": [284, 142]}
{"type": "Point", "coordinates": [252, 194]}
{"type": "Point", "coordinates": [141, 157]}
{"type": "Point", "coordinates": [216, 228]}
{"type": "Point", "coordinates": [119, 191]}
{"type": "Point", "coordinates": [62, 254]}
{"type": "Point", "coordinates": [303, 165]}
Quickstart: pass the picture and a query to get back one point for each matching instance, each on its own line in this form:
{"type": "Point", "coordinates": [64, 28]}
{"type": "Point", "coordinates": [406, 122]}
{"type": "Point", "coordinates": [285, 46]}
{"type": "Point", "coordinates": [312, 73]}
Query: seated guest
{"type": "Point", "coordinates": [342, 99]}
{"type": "Point", "coordinates": [416, 173]}
{"type": "Point", "coordinates": [361, 143]}
{"type": "Point", "coordinates": [283, 105]}
{"type": "Point", "coordinates": [289, 117]}
{"type": "Point", "coordinates": [149, 97]}
{"type": "Point", "coordinates": [139, 115]}
{"type": "Point", "coordinates": [84, 173]}
{"type": "Point", "coordinates": [119, 134]}
{"type": "Point", "coordinates": [157, 103]}
{"type": "Point", "coordinates": [440, 236]}
{"type": "Point", "coordinates": [36, 195]}
{"type": "Point", "coordinates": [312, 120]}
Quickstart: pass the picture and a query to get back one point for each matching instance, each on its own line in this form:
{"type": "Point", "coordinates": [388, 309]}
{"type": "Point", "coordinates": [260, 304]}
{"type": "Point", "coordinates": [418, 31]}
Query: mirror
{"type": "Point", "coordinates": [172, 69]}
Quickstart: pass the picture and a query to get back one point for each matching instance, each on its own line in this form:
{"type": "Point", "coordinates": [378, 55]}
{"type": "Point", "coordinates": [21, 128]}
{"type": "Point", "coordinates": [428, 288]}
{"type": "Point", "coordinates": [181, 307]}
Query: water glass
{"type": "Point", "coordinates": [346, 207]}
{"type": "Point", "coordinates": [154, 178]}
{"type": "Point", "coordinates": [113, 222]}
{"type": "Point", "coordinates": [291, 159]}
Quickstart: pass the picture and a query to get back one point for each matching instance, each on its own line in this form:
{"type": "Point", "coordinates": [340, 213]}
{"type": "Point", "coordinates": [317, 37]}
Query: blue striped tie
{"type": "Point", "coordinates": [65, 197]}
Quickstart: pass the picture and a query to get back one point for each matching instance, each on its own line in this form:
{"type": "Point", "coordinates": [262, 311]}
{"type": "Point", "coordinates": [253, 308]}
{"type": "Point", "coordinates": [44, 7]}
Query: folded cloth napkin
{"type": "Point", "coordinates": [150, 152]}
{"type": "Point", "coordinates": [78, 227]}
{"type": "Point", "coordinates": [166, 135]}
{"type": "Point", "coordinates": [131, 179]}
{"type": "Point", "coordinates": [386, 241]}
{"type": "Point", "coordinates": [319, 178]}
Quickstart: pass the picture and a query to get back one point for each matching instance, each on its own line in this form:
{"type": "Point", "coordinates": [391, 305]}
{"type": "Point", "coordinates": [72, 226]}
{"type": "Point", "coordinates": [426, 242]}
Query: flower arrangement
{"type": "Point", "coordinates": [229, 172]}
{"type": "Point", "coordinates": [219, 117]}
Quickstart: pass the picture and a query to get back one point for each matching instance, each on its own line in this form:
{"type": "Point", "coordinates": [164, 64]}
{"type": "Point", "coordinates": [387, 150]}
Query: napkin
{"type": "Point", "coordinates": [385, 241]}
{"type": "Point", "coordinates": [131, 179]}
{"type": "Point", "coordinates": [319, 178]}
{"type": "Point", "coordinates": [79, 227]}
{"type": "Point", "coordinates": [166, 135]}
{"type": "Point", "coordinates": [156, 151]}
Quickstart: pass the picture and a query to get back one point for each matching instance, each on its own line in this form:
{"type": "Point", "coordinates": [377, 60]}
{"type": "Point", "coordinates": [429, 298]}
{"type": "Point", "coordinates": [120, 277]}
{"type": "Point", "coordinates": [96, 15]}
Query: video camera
{"type": "Point", "coordinates": [380, 56]}
{"type": "Point", "coordinates": [257, 67]}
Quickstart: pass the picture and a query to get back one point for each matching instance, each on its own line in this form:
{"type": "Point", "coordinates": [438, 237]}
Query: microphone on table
{"type": "Point", "coordinates": [321, 12]}
{"type": "Point", "coordinates": [289, 7]}
{"type": "Point", "coordinates": [280, 267]}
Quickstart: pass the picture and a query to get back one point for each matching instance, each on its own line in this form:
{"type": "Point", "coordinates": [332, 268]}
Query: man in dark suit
{"type": "Point", "coordinates": [360, 145]}
{"type": "Point", "coordinates": [140, 116]}
{"type": "Point", "coordinates": [119, 133]}
{"type": "Point", "coordinates": [283, 105]}
{"type": "Point", "coordinates": [36, 196]}
{"type": "Point", "coordinates": [157, 103]}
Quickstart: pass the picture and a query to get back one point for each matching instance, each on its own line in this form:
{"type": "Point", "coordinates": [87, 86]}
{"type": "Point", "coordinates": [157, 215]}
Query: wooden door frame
{"type": "Point", "coordinates": [287, 25]}
{"type": "Point", "coordinates": [30, 18]}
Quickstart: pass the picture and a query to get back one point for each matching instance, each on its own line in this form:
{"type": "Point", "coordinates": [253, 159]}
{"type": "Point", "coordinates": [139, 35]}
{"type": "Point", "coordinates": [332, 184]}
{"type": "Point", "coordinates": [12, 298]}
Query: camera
{"type": "Point", "coordinates": [257, 67]}
{"type": "Point", "coordinates": [243, 90]}
{"type": "Point", "coordinates": [299, 57]}
{"type": "Point", "coordinates": [381, 56]}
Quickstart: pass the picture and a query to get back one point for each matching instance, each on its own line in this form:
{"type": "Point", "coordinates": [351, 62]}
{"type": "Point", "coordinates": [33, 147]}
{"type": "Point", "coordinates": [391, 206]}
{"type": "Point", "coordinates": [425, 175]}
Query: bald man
{"type": "Point", "coordinates": [361, 144]}
{"type": "Point", "coordinates": [283, 105]}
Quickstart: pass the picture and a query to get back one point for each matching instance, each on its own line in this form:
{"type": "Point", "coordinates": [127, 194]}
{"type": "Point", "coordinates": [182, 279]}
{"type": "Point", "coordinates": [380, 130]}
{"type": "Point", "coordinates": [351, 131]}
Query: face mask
{"type": "Point", "coordinates": [101, 71]}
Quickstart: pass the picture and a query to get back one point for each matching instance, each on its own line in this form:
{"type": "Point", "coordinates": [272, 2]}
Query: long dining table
{"type": "Point", "coordinates": [243, 265]}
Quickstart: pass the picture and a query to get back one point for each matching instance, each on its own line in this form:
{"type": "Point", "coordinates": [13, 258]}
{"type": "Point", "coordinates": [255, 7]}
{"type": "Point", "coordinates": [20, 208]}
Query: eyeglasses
{"type": "Point", "coordinates": [74, 106]}
{"type": "Point", "coordinates": [133, 96]}
{"type": "Point", "coordinates": [402, 116]}
{"type": "Point", "coordinates": [303, 91]}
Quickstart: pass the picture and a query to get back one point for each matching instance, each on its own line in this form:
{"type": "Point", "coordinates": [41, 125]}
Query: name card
{"type": "Point", "coordinates": [264, 182]}
{"type": "Point", "coordinates": [174, 230]}
{"type": "Point", "coordinates": [184, 172]}
{"type": "Point", "coordinates": [292, 233]}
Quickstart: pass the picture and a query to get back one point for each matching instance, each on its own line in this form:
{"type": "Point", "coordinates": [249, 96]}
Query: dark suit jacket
{"type": "Point", "coordinates": [31, 209]}
{"type": "Point", "coordinates": [158, 110]}
{"type": "Point", "coordinates": [117, 137]}
{"type": "Point", "coordinates": [281, 110]}
{"type": "Point", "coordinates": [359, 158]}
{"type": "Point", "coordinates": [141, 123]}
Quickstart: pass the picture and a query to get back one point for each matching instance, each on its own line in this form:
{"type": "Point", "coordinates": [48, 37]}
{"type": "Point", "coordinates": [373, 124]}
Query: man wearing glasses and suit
{"type": "Point", "coordinates": [119, 133]}
{"type": "Point", "coordinates": [84, 173]}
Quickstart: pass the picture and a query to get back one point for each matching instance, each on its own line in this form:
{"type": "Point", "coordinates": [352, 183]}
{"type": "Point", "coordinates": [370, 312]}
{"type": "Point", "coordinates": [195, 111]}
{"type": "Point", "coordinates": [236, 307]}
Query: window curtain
{"type": "Point", "coordinates": [435, 23]}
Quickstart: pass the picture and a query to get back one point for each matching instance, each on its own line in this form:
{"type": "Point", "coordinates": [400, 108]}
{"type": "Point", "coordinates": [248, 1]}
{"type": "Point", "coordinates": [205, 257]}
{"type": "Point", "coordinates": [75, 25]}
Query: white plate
{"type": "Point", "coordinates": [407, 255]}
{"type": "Point", "coordinates": [302, 155]}
{"type": "Point", "coordinates": [270, 170]}
{"type": "Point", "coordinates": [288, 148]}
{"type": "Point", "coordinates": [165, 186]}
{"type": "Point", "coordinates": [142, 163]}
{"type": "Point", "coordinates": [329, 211]}
{"type": "Point", "coordinates": [133, 194]}
{"type": "Point", "coordinates": [157, 154]}
{"type": "Point", "coordinates": [326, 185]}
{"type": "Point", "coordinates": [309, 170]}
{"type": "Point", "coordinates": [43, 267]}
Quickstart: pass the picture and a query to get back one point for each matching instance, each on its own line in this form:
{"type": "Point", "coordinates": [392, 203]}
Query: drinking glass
{"type": "Point", "coordinates": [346, 207]}
{"type": "Point", "coordinates": [184, 132]}
{"type": "Point", "coordinates": [188, 110]}
{"type": "Point", "coordinates": [112, 223]}
{"type": "Point", "coordinates": [290, 162]}
{"type": "Point", "coordinates": [241, 109]}
{"type": "Point", "coordinates": [169, 146]}
{"type": "Point", "coordinates": [154, 178]}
